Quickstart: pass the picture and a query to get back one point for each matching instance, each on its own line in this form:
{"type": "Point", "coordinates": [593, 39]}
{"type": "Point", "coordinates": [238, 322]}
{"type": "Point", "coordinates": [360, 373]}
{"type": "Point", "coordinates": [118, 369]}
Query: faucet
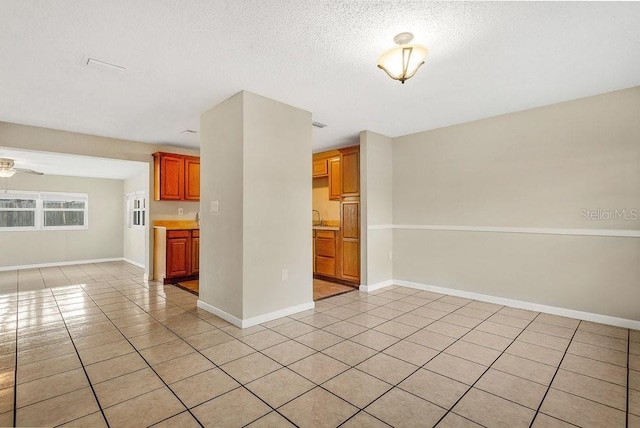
{"type": "Point", "coordinates": [319, 217]}
{"type": "Point", "coordinates": [198, 218]}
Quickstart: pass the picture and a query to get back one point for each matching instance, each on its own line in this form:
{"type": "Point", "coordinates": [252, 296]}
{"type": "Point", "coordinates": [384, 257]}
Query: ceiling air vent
{"type": "Point", "coordinates": [318, 124]}
{"type": "Point", "coordinates": [103, 65]}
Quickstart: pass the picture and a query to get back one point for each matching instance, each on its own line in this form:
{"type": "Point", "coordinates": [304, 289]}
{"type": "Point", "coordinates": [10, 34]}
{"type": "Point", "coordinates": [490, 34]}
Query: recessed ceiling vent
{"type": "Point", "coordinates": [318, 124]}
{"type": "Point", "coordinates": [103, 65]}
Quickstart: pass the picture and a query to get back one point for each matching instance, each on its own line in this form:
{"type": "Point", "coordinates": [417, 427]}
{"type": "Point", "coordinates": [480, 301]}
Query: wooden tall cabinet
{"type": "Point", "coordinates": [350, 242]}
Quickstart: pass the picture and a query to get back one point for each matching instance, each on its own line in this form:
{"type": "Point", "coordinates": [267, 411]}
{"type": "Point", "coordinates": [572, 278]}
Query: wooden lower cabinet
{"type": "Point", "coordinates": [325, 252]}
{"type": "Point", "coordinates": [178, 253]}
{"type": "Point", "coordinates": [195, 251]}
{"type": "Point", "coordinates": [183, 254]}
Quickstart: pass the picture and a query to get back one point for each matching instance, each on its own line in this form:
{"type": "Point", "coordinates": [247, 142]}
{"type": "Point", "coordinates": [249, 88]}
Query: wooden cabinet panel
{"type": "Point", "coordinates": [351, 260]}
{"type": "Point", "coordinates": [335, 179]}
{"type": "Point", "coordinates": [320, 168]}
{"type": "Point", "coordinates": [350, 242]}
{"type": "Point", "coordinates": [195, 254]}
{"type": "Point", "coordinates": [171, 178]}
{"type": "Point", "coordinates": [192, 178]}
{"type": "Point", "coordinates": [326, 266]}
{"type": "Point", "coordinates": [350, 221]}
{"type": "Point", "coordinates": [178, 257]}
{"type": "Point", "coordinates": [326, 247]}
{"type": "Point", "coordinates": [350, 166]}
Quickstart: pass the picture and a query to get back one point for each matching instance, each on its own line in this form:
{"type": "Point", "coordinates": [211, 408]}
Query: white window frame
{"type": "Point", "coordinates": [40, 197]}
{"type": "Point", "coordinates": [132, 197]}
{"type": "Point", "coordinates": [22, 194]}
{"type": "Point", "coordinates": [66, 197]}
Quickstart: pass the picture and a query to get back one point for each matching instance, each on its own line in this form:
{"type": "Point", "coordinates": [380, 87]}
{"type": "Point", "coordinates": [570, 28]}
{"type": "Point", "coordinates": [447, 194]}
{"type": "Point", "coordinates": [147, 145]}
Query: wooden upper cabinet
{"type": "Point", "coordinates": [192, 178]}
{"type": "Point", "coordinates": [176, 177]}
{"type": "Point", "coordinates": [320, 168]}
{"type": "Point", "coordinates": [350, 171]}
{"type": "Point", "coordinates": [335, 179]}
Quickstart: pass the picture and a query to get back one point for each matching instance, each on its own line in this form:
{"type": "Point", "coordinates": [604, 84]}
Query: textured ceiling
{"type": "Point", "coordinates": [75, 166]}
{"type": "Point", "coordinates": [185, 56]}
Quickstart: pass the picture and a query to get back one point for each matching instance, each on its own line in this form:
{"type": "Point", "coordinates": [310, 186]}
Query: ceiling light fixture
{"type": "Point", "coordinates": [6, 173]}
{"type": "Point", "coordinates": [402, 62]}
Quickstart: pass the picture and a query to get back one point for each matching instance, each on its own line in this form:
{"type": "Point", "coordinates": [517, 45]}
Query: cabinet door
{"type": "Point", "coordinates": [335, 179]}
{"type": "Point", "coordinates": [178, 257]}
{"type": "Point", "coordinates": [171, 177]}
{"type": "Point", "coordinates": [192, 179]}
{"type": "Point", "coordinates": [350, 242]}
{"type": "Point", "coordinates": [350, 166]}
{"type": "Point", "coordinates": [320, 168]}
{"type": "Point", "coordinates": [195, 255]}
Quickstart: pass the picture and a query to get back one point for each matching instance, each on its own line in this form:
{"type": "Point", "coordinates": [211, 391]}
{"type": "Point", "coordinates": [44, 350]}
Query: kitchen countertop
{"type": "Point", "coordinates": [326, 227]}
{"type": "Point", "coordinates": [177, 224]}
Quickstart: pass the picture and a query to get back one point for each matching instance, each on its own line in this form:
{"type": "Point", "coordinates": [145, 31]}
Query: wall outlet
{"type": "Point", "coordinates": [285, 274]}
{"type": "Point", "coordinates": [215, 207]}
{"type": "Point", "coordinates": [180, 211]}
{"type": "Point", "coordinates": [390, 255]}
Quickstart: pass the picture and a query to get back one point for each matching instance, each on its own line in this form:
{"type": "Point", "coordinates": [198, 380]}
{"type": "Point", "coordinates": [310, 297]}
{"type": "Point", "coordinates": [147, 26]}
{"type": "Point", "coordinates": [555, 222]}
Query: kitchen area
{"type": "Point", "coordinates": [336, 222]}
{"type": "Point", "coordinates": [335, 226]}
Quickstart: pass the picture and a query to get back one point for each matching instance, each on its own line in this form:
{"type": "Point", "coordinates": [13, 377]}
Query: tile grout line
{"type": "Point", "coordinates": [381, 351]}
{"type": "Point", "coordinates": [450, 410]}
{"type": "Point", "coordinates": [241, 384]}
{"type": "Point", "coordinates": [141, 356]}
{"type": "Point", "coordinates": [81, 364]}
{"type": "Point", "coordinates": [553, 378]}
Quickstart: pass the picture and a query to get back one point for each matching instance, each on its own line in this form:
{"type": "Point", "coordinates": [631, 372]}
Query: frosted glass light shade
{"type": "Point", "coordinates": [6, 173]}
{"type": "Point", "coordinates": [402, 62]}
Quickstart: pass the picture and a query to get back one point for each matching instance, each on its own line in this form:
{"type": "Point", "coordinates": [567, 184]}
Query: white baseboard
{"type": "Point", "coordinates": [75, 262]}
{"type": "Point", "coordinates": [249, 322]}
{"type": "Point", "coordinates": [133, 262]}
{"type": "Point", "coordinates": [520, 304]}
{"type": "Point", "coordinates": [376, 286]}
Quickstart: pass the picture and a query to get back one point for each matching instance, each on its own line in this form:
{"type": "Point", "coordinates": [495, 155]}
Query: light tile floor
{"type": "Point", "coordinates": [115, 348]}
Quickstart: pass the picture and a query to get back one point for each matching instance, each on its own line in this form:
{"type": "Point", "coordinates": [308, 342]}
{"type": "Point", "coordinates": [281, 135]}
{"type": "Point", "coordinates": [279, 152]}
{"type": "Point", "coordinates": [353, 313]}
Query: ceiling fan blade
{"type": "Point", "coordinates": [27, 171]}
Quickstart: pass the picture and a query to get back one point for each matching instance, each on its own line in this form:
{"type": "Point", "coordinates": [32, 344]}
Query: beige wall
{"type": "Point", "coordinates": [376, 170]}
{"type": "Point", "coordinates": [53, 246]}
{"type": "Point", "coordinates": [50, 140]}
{"type": "Point", "coordinates": [328, 209]}
{"type": "Point", "coordinates": [256, 161]}
{"type": "Point", "coordinates": [221, 234]}
{"type": "Point", "coordinates": [533, 169]}
{"type": "Point", "coordinates": [277, 197]}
